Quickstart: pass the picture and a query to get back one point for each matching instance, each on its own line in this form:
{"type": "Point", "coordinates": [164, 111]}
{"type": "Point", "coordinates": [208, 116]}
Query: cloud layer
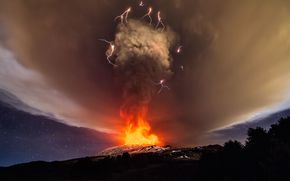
{"type": "Point", "coordinates": [235, 55]}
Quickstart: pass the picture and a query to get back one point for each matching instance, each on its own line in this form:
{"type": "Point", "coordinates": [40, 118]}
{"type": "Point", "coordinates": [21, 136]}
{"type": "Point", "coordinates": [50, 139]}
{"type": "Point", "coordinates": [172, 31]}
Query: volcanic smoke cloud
{"type": "Point", "coordinates": [142, 60]}
{"type": "Point", "coordinates": [235, 56]}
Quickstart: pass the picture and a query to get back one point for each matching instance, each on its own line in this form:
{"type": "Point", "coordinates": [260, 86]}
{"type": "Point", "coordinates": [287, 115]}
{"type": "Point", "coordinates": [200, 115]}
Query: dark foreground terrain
{"type": "Point", "coordinates": [265, 156]}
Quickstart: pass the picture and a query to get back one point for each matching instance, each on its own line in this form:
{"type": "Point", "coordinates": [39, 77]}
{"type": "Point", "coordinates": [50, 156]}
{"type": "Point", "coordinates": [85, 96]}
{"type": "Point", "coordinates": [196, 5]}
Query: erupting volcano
{"type": "Point", "coordinates": [141, 61]}
{"type": "Point", "coordinates": [138, 130]}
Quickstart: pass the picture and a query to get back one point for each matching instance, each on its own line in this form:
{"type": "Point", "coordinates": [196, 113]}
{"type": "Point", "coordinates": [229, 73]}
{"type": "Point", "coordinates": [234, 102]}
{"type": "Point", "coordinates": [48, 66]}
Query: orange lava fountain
{"type": "Point", "coordinates": [138, 130]}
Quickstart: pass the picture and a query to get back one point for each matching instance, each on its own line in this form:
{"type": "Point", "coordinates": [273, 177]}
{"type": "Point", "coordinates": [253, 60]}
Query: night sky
{"type": "Point", "coordinates": [25, 137]}
{"type": "Point", "coordinates": [61, 99]}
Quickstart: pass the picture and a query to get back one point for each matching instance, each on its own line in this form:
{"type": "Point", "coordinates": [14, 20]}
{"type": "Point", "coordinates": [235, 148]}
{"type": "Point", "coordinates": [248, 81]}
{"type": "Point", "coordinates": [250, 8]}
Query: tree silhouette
{"type": "Point", "coordinates": [233, 146]}
{"type": "Point", "coordinates": [281, 131]}
{"type": "Point", "coordinates": [257, 141]}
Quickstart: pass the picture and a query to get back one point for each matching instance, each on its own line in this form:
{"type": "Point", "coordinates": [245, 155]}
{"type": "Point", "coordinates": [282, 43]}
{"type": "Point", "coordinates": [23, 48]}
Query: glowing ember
{"type": "Point", "coordinates": [140, 134]}
{"type": "Point", "coordinates": [138, 130]}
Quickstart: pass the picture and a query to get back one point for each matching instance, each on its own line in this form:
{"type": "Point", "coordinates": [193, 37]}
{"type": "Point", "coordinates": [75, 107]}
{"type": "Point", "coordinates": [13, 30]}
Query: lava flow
{"type": "Point", "coordinates": [138, 130]}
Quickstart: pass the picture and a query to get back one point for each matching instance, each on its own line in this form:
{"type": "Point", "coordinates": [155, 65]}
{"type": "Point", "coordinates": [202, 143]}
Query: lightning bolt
{"type": "Point", "coordinates": [121, 17]}
{"type": "Point", "coordinates": [111, 51]}
{"type": "Point", "coordinates": [160, 22]}
{"type": "Point", "coordinates": [148, 14]}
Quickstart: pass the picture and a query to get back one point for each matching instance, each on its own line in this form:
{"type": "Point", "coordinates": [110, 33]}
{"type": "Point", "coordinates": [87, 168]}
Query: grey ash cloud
{"type": "Point", "coordinates": [235, 57]}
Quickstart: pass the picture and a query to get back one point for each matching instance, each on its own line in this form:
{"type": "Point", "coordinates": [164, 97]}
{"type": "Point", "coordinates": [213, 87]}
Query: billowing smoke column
{"type": "Point", "coordinates": [142, 59]}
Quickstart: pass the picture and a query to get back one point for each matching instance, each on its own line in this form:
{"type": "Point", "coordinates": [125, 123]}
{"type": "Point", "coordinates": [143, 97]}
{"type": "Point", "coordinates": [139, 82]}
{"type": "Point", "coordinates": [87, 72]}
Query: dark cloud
{"type": "Point", "coordinates": [235, 57]}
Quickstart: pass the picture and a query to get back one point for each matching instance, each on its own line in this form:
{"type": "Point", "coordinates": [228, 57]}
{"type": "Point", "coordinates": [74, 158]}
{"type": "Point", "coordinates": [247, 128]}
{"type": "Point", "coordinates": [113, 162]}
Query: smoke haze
{"type": "Point", "coordinates": [236, 58]}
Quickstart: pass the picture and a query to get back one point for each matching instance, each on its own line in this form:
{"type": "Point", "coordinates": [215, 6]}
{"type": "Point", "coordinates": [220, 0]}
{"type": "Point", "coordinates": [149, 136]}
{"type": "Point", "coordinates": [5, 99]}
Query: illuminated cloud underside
{"type": "Point", "coordinates": [235, 55]}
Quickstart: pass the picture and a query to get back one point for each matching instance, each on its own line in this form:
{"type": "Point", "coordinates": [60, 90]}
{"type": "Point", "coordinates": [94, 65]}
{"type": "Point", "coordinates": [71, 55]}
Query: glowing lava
{"type": "Point", "coordinates": [138, 130]}
{"type": "Point", "coordinates": [140, 134]}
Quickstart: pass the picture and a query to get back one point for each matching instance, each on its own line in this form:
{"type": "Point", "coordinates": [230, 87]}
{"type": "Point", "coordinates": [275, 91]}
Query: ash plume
{"type": "Point", "coordinates": [235, 57]}
{"type": "Point", "coordinates": [142, 59]}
